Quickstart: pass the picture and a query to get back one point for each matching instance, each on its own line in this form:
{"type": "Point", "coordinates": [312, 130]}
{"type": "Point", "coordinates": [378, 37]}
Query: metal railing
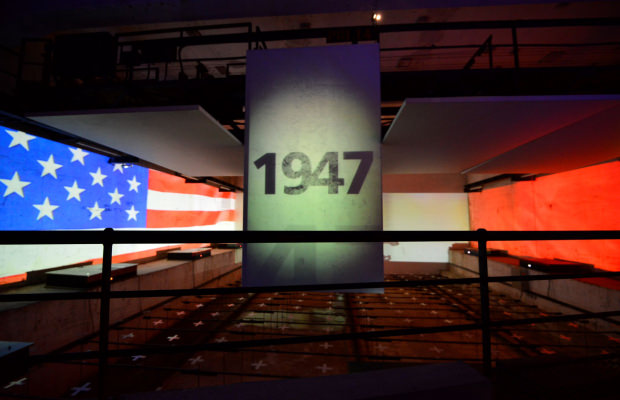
{"type": "Point", "coordinates": [108, 238]}
{"type": "Point", "coordinates": [129, 44]}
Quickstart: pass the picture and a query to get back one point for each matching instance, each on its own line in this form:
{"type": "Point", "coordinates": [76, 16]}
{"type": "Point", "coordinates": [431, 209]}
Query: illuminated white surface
{"type": "Point", "coordinates": [313, 101]}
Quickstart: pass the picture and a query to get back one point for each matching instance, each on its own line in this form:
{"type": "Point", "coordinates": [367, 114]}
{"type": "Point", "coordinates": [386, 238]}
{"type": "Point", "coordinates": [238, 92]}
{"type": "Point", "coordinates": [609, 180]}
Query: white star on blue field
{"type": "Point", "coordinates": [45, 185]}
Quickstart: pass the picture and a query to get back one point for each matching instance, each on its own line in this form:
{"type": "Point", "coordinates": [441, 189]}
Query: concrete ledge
{"type": "Point", "coordinates": [426, 382]}
{"type": "Point", "coordinates": [562, 295]}
{"type": "Point", "coordinates": [425, 268]}
{"type": "Point", "coordinates": [51, 325]}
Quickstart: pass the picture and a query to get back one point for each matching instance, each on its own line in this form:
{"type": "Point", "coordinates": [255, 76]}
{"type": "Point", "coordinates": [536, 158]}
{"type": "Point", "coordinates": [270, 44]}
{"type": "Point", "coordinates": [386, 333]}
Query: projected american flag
{"type": "Point", "coordinates": [45, 185]}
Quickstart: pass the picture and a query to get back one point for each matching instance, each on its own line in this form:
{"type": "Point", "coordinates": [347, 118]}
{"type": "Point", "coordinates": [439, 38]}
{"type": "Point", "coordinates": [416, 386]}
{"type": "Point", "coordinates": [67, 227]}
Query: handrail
{"type": "Point", "coordinates": [126, 294]}
{"type": "Point", "coordinates": [354, 30]}
{"type": "Point", "coordinates": [109, 237]}
{"type": "Point", "coordinates": [137, 236]}
{"type": "Point", "coordinates": [247, 25]}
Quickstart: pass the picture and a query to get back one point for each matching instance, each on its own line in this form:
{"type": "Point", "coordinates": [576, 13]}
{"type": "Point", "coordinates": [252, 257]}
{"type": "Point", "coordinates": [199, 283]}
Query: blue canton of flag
{"type": "Point", "coordinates": [45, 185]}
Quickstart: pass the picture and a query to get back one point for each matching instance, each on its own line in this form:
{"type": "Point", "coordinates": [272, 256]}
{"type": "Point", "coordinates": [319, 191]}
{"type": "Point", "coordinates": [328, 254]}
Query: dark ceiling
{"type": "Point", "coordinates": [89, 55]}
{"type": "Point", "coordinates": [36, 18]}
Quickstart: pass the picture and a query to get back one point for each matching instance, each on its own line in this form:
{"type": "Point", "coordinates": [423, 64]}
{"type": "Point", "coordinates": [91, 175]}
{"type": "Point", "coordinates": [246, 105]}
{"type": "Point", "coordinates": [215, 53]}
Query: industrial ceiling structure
{"type": "Point", "coordinates": [473, 89]}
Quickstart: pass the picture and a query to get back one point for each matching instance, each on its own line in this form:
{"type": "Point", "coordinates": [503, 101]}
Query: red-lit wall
{"type": "Point", "coordinates": [582, 199]}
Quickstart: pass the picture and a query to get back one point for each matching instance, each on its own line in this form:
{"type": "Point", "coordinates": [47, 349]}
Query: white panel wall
{"type": "Point", "coordinates": [423, 211]}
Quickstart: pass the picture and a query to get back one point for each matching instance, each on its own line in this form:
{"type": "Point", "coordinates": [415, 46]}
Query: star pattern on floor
{"type": "Point", "coordinates": [78, 389]}
{"type": "Point", "coordinates": [196, 360]}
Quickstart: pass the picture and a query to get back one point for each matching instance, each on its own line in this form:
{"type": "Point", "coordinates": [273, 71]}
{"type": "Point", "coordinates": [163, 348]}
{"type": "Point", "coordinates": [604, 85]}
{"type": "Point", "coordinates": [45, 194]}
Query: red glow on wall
{"type": "Point", "coordinates": [12, 279]}
{"type": "Point", "coordinates": [582, 199]}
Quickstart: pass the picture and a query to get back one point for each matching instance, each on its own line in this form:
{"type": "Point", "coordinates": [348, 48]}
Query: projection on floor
{"type": "Point", "coordinates": [313, 162]}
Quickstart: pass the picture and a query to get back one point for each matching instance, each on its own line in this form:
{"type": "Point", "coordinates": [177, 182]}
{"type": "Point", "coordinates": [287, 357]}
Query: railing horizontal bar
{"type": "Point", "coordinates": [234, 345]}
{"type": "Point", "coordinates": [291, 288]}
{"type": "Point", "coordinates": [214, 58]}
{"type": "Point", "coordinates": [52, 237]}
{"type": "Point", "coordinates": [497, 45]}
{"type": "Point", "coordinates": [66, 237]}
{"type": "Point", "coordinates": [95, 237]}
{"type": "Point", "coordinates": [500, 24]}
{"type": "Point", "coordinates": [11, 74]}
{"type": "Point", "coordinates": [9, 50]}
{"type": "Point", "coordinates": [551, 235]}
{"type": "Point", "coordinates": [183, 29]}
{"type": "Point", "coordinates": [230, 290]}
{"type": "Point", "coordinates": [49, 296]}
{"type": "Point", "coordinates": [190, 371]}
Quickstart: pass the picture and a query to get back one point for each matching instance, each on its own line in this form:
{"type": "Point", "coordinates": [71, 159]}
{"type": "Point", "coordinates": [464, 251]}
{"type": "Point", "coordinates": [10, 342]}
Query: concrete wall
{"type": "Point", "coordinates": [563, 295]}
{"type": "Point", "coordinates": [54, 324]}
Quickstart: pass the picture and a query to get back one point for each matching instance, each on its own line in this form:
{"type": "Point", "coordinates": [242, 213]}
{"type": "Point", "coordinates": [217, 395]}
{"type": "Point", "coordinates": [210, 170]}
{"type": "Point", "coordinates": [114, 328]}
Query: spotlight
{"type": "Point", "coordinates": [376, 17]}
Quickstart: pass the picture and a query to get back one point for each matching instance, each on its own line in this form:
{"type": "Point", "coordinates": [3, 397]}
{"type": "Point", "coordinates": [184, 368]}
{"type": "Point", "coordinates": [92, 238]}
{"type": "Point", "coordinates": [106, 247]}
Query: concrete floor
{"type": "Point", "coordinates": [530, 360]}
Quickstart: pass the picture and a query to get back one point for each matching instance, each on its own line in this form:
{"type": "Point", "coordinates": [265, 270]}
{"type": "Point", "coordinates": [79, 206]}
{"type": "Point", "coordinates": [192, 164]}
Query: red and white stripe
{"type": "Point", "coordinates": [172, 203]}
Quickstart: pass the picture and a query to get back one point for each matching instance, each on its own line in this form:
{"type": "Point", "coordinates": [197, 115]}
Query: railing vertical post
{"type": "Point", "coordinates": [515, 47]}
{"type": "Point", "coordinates": [104, 312]}
{"type": "Point", "coordinates": [484, 300]}
{"type": "Point", "coordinates": [490, 46]}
